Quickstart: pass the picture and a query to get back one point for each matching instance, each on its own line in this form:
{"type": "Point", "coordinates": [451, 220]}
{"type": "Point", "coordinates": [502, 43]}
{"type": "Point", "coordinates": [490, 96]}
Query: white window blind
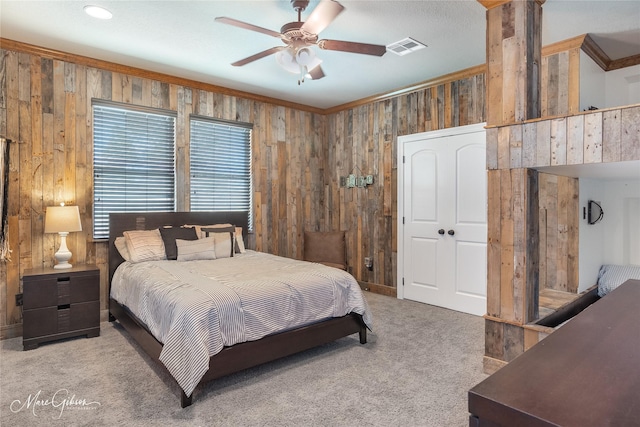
{"type": "Point", "coordinates": [133, 163]}
{"type": "Point", "coordinates": [220, 166]}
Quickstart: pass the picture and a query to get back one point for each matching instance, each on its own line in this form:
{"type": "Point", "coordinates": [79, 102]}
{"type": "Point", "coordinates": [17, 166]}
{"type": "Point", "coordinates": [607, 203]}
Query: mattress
{"type": "Point", "coordinates": [196, 308]}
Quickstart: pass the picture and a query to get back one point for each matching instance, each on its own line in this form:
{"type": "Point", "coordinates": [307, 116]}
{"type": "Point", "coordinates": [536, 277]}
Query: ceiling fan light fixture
{"type": "Point", "coordinates": [306, 58]}
{"type": "Point", "coordinates": [286, 60]}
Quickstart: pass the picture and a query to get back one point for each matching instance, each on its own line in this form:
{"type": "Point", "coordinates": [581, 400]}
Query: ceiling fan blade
{"type": "Point", "coordinates": [246, 26]}
{"type": "Point", "coordinates": [353, 47]}
{"type": "Point", "coordinates": [258, 55]}
{"type": "Point", "coordinates": [316, 73]}
{"type": "Point", "coordinates": [322, 16]}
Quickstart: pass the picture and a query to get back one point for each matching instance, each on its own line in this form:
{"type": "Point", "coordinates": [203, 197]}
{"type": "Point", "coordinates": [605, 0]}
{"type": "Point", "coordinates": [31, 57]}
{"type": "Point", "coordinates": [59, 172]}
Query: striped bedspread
{"type": "Point", "coordinates": [196, 308]}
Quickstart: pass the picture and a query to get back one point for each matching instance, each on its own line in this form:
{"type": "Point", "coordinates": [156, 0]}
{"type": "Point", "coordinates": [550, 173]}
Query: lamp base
{"type": "Point", "coordinates": [62, 266]}
{"type": "Point", "coordinates": [64, 254]}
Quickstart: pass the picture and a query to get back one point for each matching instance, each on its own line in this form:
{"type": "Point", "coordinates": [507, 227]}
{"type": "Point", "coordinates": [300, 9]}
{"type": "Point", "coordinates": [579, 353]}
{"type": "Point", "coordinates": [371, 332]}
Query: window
{"type": "Point", "coordinates": [220, 159]}
{"type": "Point", "coordinates": [133, 162]}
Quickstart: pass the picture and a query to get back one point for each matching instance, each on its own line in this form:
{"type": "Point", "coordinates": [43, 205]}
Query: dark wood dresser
{"type": "Point", "coordinates": [60, 304]}
{"type": "Point", "coordinates": [587, 373]}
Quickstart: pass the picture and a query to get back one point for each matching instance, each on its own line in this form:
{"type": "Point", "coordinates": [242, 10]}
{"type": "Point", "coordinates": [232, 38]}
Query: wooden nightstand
{"type": "Point", "coordinates": [60, 304]}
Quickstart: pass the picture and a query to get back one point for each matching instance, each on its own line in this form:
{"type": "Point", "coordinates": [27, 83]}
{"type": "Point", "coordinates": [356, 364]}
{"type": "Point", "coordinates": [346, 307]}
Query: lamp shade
{"type": "Point", "coordinates": [62, 219]}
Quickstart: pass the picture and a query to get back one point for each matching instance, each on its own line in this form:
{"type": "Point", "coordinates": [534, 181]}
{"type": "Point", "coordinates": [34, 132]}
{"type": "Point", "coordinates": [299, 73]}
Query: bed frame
{"type": "Point", "coordinates": [240, 356]}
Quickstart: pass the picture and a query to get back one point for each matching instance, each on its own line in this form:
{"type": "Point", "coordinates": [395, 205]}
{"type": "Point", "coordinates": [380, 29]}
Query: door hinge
{"type": "Point", "coordinates": [403, 159]}
{"type": "Point", "coordinates": [402, 220]}
{"type": "Point", "coordinates": [403, 281]}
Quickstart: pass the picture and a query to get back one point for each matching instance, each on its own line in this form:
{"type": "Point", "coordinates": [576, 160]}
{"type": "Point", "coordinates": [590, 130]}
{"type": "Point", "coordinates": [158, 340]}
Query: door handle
{"type": "Point", "coordinates": [441, 231]}
{"type": "Point", "coordinates": [451, 232]}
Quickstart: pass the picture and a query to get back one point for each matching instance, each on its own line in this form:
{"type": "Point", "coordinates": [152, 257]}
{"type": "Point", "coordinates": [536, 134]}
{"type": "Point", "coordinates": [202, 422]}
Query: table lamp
{"type": "Point", "coordinates": [62, 220]}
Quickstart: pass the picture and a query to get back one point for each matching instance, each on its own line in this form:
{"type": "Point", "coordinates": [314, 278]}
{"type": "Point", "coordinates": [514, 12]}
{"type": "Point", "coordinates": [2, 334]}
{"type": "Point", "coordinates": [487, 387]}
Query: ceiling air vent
{"type": "Point", "coordinates": [405, 46]}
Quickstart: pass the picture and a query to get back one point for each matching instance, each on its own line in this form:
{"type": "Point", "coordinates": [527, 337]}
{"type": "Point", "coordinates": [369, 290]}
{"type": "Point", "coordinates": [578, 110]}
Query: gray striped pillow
{"type": "Point", "coordinates": [612, 276]}
{"type": "Point", "coordinates": [144, 245]}
{"type": "Point", "coordinates": [190, 250]}
{"type": "Point", "coordinates": [224, 240]}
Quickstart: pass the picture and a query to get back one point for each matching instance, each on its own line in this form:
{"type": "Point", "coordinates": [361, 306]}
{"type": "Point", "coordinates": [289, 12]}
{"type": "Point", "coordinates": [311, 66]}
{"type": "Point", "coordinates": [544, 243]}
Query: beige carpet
{"type": "Point", "coordinates": [415, 370]}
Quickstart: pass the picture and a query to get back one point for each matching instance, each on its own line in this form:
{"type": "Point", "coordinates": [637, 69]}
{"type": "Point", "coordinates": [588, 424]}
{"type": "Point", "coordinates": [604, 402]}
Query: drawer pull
{"type": "Point", "coordinates": [64, 306]}
{"type": "Point", "coordinates": [64, 279]}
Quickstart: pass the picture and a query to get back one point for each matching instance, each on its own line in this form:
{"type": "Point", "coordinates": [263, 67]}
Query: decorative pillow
{"type": "Point", "coordinates": [144, 245]}
{"type": "Point", "coordinates": [169, 236]}
{"type": "Point", "coordinates": [190, 250]}
{"type": "Point", "coordinates": [224, 241]}
{"type": "Point", "coordinates": [121, 246]}
{"type": "Point", "coordinates": [202, 234]}
{"type": "Point", "coordinates": [239, 241]}
{"type": "Point", "coordinates": [612, 276]}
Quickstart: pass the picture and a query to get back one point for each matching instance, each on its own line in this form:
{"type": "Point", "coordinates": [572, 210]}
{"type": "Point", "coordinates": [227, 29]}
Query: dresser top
{"type": "Point", "coordinates": [77, 268]}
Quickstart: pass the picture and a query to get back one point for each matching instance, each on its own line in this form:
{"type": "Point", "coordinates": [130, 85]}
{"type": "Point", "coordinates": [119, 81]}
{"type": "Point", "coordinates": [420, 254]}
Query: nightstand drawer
{"type": "Point", "coordinates": [64, 318]}
{"type": "Point", "coordinates": [60, 289]}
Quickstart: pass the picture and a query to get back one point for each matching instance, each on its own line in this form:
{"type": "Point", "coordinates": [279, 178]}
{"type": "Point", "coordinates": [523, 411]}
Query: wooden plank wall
{"type": "Point", "coordinates": [45, 108]}
{"type": "Point", "coordinates": [513, 61]}
{"type": "Point", "coordinates": [560, 82]}
{"type": "Point", "coordinates": [298, 157]}
{"type": "Point", "coordinates": [559, 221]}
{"type": "Point", "coordinates": [364, 139]}
{"type": "Point", "coordinates": [602, 136]}
{"type": "Point", "coordinates": [512, 276]}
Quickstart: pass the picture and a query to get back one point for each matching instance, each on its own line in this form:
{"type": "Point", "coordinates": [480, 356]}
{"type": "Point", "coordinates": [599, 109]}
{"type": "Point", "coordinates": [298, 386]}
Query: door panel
{"type": "Point", "coordinates": [444, 209]}
{"type": "Point", "coordinates": [424, 177]}
{"type": "Point", "coordinates": [471, 185]}
{"type": "Point", "coordinates": [470, 262]}
{"type": "Point", "coordinates": [427, 250]}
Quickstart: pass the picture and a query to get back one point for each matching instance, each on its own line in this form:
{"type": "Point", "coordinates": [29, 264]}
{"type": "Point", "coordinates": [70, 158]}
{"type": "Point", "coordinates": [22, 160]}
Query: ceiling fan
{"type": "Point", "coordinates": [296, 55]}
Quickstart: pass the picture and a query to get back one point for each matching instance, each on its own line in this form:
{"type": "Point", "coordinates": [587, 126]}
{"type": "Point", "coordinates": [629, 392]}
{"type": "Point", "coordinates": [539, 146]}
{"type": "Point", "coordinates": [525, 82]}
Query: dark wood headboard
{"type": "Point", "coordinates": [121, 222]}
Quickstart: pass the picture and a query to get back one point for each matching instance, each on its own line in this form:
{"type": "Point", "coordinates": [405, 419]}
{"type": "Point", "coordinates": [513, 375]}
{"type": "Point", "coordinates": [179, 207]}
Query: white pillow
{"type": "Point", "coordinates": [121, 246]}
{"type": "Point", "coordinates": [224, 240]}
{"type": "Point", "coordinates": [223, 244]}
{"type": "Point", "coordinates": [190, 250]}
{"type": "Point", "coordinates": [239, 241]}
{"type": "Point", "coordinates": [144, 245]}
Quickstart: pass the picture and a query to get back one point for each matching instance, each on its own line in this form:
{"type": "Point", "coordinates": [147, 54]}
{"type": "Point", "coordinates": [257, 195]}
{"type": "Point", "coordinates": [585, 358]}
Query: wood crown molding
{"type": "Point", "coordinates": [595, 52]}
{"type": "Point", "coordinates": [139, 72]}
{"type": "Point", "coordinates": [584, 42]}
{"type": "Point", "coordinates": [447, 78]}
{"type": "Point", "coordinates": [591, 48]}
{"type": "Point", "coordinates": [564, 45]}
{"type": "Point", "coordinates": [629, 61]}
{"type": "Point", "coordinates": [490, 4]}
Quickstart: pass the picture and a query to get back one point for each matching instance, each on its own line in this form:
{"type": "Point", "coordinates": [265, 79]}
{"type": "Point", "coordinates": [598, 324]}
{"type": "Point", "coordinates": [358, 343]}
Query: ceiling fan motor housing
{"type": "Point", "coordinates": [293, 35]}
{"type": "Point", "coordinates": [299, 5]}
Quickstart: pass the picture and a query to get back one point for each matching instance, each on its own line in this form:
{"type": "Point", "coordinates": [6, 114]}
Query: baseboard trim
{"type": "Point", "coordinates": [491, 365]}
{"type": "Point", "coordinates": [378, 289]}
{"type": "Point", "coordinates": [10, 331]}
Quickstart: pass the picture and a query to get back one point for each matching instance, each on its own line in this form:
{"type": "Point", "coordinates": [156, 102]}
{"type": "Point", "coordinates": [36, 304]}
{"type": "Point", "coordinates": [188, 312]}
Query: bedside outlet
{"type": "Point", "coordinates": [368, 262]}
{"type": "Point", "coordinates": [18, 300]}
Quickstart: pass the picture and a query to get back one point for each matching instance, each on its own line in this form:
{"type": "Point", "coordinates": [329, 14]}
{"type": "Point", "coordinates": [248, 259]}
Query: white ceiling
{"type": "Point", "coordinates": [614, 171]}
{"type": "Point", "coordinates": [180, 38]}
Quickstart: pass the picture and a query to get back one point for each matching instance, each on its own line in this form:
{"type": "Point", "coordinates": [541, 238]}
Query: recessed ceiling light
{"type": "Point", "coordinates": [98, 12]}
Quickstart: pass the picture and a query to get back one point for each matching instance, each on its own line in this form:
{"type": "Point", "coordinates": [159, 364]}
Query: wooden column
{"type": "Point", "coordinates": [513, 96]}
{"type": "Point", "coordinates": [513, 60]}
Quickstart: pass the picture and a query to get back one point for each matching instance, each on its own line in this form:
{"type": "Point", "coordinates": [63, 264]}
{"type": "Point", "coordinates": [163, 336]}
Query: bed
{"type": "Point", "coordinates": [254, 348]}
